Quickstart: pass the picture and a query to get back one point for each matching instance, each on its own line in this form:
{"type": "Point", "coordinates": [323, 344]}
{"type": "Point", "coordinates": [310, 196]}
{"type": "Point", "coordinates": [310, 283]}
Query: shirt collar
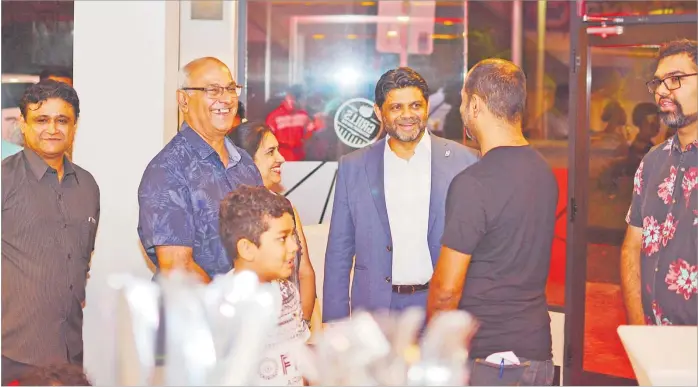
{"type": "Point", "coordinates": [203, 149]}
{"type": "Point", "coordinates": [674, 144]}
{"type": "Point", "coordinates": [424, 144]}
{"type": "Point", "coordinates": [39, 167]}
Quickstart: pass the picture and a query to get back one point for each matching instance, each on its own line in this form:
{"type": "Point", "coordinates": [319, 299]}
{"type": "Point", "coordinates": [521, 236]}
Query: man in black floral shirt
{"type": "Point", "coordinates": [658, 263]}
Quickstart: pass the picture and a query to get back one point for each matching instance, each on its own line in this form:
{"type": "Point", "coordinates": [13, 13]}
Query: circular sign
{"type": "Point", "coordinates": [356, 124]}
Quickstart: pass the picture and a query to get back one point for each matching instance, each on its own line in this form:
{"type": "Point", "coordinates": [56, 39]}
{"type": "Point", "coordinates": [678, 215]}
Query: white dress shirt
{"type": "Point", "coordinates": [407, 194]}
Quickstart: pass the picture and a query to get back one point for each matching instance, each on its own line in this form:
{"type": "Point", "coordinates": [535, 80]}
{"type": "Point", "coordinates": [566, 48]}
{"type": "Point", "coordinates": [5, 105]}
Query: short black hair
{"type": "Point", "coordinates": [677, 47]}
{"type": "Point", "coordinates": [399, 78]}
{"type": "Point", "coordinates": [613, 111]}
{"type": "Point", "coordinates": [55, 375]}
{"type": "Point", "coordinates": [241, 110]}
{"type": "Point", "coordinates": [56, 72]}
{"type": "Point", "coordinates": [245, 212]}
{"type": "Point", "coordinates": [502, 86]}
{"type": "Point", "coordinates": [642, 110]}
{"type": "Point", "coordinates": [249, 135]}
{"type": "Point", "coordinates": [45, 90]}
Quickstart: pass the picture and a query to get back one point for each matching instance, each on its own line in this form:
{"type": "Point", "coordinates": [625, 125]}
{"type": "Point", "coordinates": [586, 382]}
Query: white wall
{"type": "Point", "coordinates": [217, 38]}
{"type": "Point", "coordinates": [125, 66]}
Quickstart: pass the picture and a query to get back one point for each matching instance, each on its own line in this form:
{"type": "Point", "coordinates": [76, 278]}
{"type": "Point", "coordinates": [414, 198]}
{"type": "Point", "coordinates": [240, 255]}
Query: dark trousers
{"type": "Point", "coordinates": [400, 302]}
{"type": "Point", "coordinates": [13, 370]}
{"type": "Point", "coordinates": [528, 373]}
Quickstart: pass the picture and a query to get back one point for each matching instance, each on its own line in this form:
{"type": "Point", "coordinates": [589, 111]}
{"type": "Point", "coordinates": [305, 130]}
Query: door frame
{"type": "Point", "coordinates": [578, 198]}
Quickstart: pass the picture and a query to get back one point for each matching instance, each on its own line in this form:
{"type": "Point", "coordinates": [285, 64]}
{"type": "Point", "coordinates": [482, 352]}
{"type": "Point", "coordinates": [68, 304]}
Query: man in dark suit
{"type": "Point", "coordinates": [388, 213]}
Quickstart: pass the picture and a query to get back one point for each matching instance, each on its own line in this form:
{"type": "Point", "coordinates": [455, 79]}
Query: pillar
{"type": "Point", "coordinates": [125, 73]}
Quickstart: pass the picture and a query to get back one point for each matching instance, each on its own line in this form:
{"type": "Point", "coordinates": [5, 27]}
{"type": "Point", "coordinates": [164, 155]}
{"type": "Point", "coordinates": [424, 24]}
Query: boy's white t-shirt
{"type": "Point", "coordinates": [277, 367]}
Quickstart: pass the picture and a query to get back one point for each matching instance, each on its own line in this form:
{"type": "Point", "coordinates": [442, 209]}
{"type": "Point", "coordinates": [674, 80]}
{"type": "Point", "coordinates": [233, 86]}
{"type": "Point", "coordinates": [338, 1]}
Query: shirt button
{"type": "Point", "coordinates": [673, 201]}
{"type": "Point", "coordinates": [656, 269]}
{"type": "Point", "coordinates": [388, 279]}
{"type": "Point", "coordinates": [683, 169]}
{"type": "Point", "coordinates": [389, 248]}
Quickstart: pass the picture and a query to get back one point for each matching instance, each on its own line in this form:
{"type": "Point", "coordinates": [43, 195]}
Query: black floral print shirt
{"type": "Point", "coordinates": [665, 206]}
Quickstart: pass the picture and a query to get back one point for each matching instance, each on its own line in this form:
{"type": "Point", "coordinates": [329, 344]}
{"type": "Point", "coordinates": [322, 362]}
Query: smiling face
{"type": "Point", "coordinates": [210, 116]}
{"type": "Point", "coordinates": [49, 127]}
{"type": "Point", "coordinates": [269, 160]}
{"type": "Point", "coordinates": [275, 256]}
{"type": "Point", "coordinates": [404, 114]}
{"type": "Point", "coordinates": [678, 108]}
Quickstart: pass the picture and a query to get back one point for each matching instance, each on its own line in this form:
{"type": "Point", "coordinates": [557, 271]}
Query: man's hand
{"type": "Point", "coordinates": [630, 275]}
{"type": "Point", "coordinates": [447, 281]}
{"type": "Point", "coordinates": [179, 257]}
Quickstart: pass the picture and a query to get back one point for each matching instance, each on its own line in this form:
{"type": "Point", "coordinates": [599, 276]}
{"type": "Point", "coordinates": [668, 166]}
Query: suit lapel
{"type": "Point", "coordinates": [439, 153]}
{"type": "Point", "coordinates": [374, 170]}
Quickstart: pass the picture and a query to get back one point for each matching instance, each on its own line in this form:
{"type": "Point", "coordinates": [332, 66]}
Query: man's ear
{"type": "Point", "coordinates": [377, 110]}
{"type": "Point", "coordinates": [22, 123]}
{"type": "Point", "coordinates": [246, 250]}
{"type": "Point", "coordinates": [476, 104]}
{"type": "Point", "coordinates": [183, 100]}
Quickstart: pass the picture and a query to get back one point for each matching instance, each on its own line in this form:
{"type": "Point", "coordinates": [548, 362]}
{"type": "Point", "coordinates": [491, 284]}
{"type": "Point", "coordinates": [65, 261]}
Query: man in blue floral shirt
{"type": "Point", "coordinates": [659, 271]}
{"type": "Point", "coordinates": [182, 187]}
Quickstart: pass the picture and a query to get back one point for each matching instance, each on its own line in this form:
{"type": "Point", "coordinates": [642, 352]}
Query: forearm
{"type": "Point", "coordinates": [440, 300]}
{"type": "Point", "coordinates": [308, 291]}
{"type": "Point", "coordinates": [172, 258]}
{"type": "Point", "coordinates": [631, 284]}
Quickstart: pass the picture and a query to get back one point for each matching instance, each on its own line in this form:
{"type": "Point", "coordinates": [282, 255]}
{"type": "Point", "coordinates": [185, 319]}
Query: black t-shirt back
{"type": "Point", "coordinates": [501, 211]}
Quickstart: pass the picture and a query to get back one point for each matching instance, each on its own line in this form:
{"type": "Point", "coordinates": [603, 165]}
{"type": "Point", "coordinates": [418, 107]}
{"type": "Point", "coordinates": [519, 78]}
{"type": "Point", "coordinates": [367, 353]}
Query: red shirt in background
{"type": "Point", "coordinates": [290, 127]}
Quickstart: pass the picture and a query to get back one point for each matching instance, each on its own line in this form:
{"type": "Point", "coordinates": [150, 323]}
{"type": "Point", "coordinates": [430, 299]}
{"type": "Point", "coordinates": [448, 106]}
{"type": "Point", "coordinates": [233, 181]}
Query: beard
{"type": "Point", "coordinates": [468, 126]}
{"type": "Point", "coordinates": [677, 119]}
{"type": "Point", "coordinates": [394, 132]}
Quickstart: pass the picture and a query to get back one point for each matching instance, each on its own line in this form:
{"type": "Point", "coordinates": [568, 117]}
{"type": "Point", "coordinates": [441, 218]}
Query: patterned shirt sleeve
{"type": "Point", "coordinates": [165, 214]}
{"type": "Point", "coordinates": [634, 216]}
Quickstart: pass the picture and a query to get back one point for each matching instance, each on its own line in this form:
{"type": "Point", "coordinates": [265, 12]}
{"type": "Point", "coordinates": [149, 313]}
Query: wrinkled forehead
{"type": "Point", "coordinates": [210, 73]}
{"type": "Point", "coordinates": [675, 65]}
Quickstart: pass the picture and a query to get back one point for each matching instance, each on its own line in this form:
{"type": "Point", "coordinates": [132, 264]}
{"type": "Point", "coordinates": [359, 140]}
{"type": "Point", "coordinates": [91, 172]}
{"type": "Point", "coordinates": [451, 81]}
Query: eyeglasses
{"type": "Point", "coordinates": [671, 82]}
{"type": "Point", "coordinates": [215, 91]}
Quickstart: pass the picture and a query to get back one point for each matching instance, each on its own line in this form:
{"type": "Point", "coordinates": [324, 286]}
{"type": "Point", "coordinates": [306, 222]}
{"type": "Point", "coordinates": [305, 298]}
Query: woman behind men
{"type": "Point", "coordinates": [258, 140]}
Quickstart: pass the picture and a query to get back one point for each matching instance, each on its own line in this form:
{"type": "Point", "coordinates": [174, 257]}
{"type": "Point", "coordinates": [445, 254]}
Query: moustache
{"type": "Point", "coordinates": [408, 122]}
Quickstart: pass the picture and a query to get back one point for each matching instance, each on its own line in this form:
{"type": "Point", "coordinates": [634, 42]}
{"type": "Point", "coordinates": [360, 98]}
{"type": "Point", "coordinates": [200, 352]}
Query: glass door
{"type": "Point", "coordinates": [613, 57]}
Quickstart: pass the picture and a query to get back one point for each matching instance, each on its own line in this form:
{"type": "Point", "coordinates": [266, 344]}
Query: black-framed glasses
{"type": "Point", "coordinates": [672, 82]}
{"type": "Point", "coordinates": [215, 91]}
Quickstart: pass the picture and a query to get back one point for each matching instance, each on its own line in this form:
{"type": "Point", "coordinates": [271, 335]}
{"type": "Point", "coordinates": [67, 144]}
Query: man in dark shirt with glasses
{"type": "Point", "coordinates": [659, 258]}
{"type": "Point", "coordinates": [50, 212]}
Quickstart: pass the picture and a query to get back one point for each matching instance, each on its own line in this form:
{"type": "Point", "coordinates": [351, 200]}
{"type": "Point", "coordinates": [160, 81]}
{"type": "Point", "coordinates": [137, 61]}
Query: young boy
{"type": "Point", "coordinates": [258, 232]}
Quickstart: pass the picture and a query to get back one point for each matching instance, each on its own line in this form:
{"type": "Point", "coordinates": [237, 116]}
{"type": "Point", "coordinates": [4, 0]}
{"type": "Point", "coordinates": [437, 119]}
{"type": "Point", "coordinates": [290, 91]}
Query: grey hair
{"type": "Point", "coordinates": [183, 77]}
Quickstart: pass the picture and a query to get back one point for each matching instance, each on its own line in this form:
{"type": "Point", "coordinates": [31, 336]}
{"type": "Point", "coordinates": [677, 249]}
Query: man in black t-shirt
{"type": "Point", "coordinates": [500, 217]}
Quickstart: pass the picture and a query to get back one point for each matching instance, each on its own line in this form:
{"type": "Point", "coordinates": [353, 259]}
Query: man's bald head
{"type": "Point", "coordinates": [207, 97]}
{"type": "Point", "coordinates": [189, 72]}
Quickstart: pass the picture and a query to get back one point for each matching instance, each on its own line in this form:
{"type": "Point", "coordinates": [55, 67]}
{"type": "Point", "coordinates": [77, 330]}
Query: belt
{"type": "Point", "coordinates": [410, 289]}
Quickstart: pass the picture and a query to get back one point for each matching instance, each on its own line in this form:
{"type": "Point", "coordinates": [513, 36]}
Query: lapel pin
{"type": "Point", "coordinates": [448, 153]}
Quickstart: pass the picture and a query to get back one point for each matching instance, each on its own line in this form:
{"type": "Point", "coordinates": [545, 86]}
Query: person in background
{"type": "Point", "coordinates": [646, 120]}
{"type": "Point", "coordinates": [258, 140]}
{"type": "Point", "coordinates": [388, 211]}
{"type": "Point", "coordinates": [291, 126]}
{"type": "Point", "coordinates": [257, 229]}
{"type": "Point", "coordinates": [50, 213]}
{"type": "Point", "coordinates": [241, 116]}
{"type": "Point", "coordinates": [58, 74]}
{"type": "Point", "coordinates": [509, 195]}
{"type": "Point", "coordinates": [8, 149]}
{"type": "Point", "coordinates": [659, 257]}
{"type": "Point", "coordinates": [182, 186]}
{"type": "Point", "coordinates": [54, 375]}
